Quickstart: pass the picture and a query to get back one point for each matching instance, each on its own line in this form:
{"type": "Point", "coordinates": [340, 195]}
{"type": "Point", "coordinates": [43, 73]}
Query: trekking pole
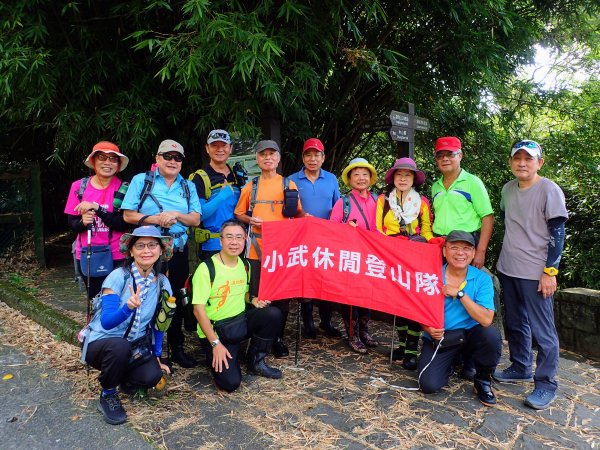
{"type": "Point", "coordinates": [392, 346]}
{"type": "Point", "coordinates": [249, 242]}
{"type": "Point", "coordinates": [297, 334]}
{"type": "Point", "coordinates": [88, 257]}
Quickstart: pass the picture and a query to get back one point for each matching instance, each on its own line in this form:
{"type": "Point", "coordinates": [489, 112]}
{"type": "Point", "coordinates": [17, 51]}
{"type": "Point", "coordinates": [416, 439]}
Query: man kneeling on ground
{"type": "Point", "coordinates": [468, 314]}
{"type": "Point", "coordinates": [226, 317]}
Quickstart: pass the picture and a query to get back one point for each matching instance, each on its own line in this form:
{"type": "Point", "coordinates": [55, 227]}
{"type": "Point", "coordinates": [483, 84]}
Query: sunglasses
{"type": "Point", "coordinates": [219, 136]}
{"type": "Point", "coordinates": [527, 145]}
{"type": "Point", "coordinates": [446, 154]}
{"type": "Point", "coordinates": [112, 158]}
{"type": "Point", "coordinates": [169, 156]}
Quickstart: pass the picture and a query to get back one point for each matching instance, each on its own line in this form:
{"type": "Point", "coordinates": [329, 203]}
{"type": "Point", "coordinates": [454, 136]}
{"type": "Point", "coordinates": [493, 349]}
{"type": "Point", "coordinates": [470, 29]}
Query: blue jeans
{"type": "Point", "coordinates": [528, 314]}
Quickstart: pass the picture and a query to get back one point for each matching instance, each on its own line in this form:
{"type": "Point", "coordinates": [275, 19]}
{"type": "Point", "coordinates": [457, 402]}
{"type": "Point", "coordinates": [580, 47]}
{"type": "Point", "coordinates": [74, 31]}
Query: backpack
{"type": "Point", "coordinates": [202, 235]}
{"type": "Point", "coordinates": [289, 202]}
{"type": "Point", "coordinates": [84, 183]}
{"type": "Point", "coordinates": [348, 206]}
{"type": "Point", "coordinates": [210, 265]}
{"type": "Point", "coordinates": [149, 179]}
{"type": "Point", "coordinates": [238, 176]}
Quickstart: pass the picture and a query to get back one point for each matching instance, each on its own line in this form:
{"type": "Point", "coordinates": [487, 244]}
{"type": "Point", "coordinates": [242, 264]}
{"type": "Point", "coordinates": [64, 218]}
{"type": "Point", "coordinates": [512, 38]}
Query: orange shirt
{"type": "Point", "coordinates": [269, 189]}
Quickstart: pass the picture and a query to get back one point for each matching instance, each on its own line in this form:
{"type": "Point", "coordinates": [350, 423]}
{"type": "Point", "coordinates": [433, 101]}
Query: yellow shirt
{"type": "Point", "coordinates": [389, 225]}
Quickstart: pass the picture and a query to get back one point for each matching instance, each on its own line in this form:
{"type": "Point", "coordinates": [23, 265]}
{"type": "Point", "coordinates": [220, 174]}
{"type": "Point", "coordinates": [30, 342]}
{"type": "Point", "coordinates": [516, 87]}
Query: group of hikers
{"type": "Point", "coordinates": [139, 279]}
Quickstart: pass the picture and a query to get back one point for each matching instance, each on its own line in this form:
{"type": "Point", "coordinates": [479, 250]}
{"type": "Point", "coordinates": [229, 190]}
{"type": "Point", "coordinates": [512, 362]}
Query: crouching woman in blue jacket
{"type": "Point", "coordinates": [126, 331]}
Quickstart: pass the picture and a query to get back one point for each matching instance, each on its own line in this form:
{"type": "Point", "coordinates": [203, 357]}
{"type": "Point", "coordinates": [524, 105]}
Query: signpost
{"type": "Point", "coordinates": [403, 129]}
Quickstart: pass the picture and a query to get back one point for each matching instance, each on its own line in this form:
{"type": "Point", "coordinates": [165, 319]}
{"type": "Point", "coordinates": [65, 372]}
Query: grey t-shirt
{"type": "Point", "coordinates": [526, 236]}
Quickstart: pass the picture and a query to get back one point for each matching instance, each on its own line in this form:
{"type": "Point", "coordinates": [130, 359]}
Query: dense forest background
{"type": "Point", "coordinates": [137, 72]}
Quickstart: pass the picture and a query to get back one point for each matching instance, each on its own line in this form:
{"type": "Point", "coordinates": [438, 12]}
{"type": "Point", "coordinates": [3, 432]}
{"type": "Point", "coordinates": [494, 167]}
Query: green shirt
{"type": "Point", "coordinates": [226, 297]}
{"type": "Point", "coordinates": [462, 206]}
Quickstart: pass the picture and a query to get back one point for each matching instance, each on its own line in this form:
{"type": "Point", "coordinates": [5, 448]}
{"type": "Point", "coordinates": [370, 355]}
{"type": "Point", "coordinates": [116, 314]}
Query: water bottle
{"type": "Point", "coordinates": [120, 195]}
{"type": "Point", "coordinates": [166, 313]}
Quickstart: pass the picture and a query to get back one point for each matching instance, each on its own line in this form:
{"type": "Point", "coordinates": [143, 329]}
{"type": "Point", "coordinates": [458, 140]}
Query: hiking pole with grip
{"type": "Point", "coordinates": [88, 256]}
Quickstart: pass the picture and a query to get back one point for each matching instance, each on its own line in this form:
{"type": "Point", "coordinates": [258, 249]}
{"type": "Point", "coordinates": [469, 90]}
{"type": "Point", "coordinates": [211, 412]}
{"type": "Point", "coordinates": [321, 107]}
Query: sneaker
{"type": "Point", "coordinates": [540, 398]}
{"type": "Point", "coordinates": [112, 410]}
{"type": "Point", "coordinates": [511, 374]}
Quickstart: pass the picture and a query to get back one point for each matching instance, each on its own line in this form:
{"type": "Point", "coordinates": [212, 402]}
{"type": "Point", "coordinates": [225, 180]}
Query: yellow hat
{"type": "Point", "coordinates": [359, 162]}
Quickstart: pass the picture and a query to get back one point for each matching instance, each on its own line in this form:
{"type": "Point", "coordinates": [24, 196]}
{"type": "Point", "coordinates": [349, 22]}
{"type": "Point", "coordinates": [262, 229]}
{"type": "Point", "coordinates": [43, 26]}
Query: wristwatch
{"type": "Point", "coordinates": [460, 294]}
{"type": "Point", "coordinates": [214, 343]}
{"type": "Point", "coordinates": [552, 271]}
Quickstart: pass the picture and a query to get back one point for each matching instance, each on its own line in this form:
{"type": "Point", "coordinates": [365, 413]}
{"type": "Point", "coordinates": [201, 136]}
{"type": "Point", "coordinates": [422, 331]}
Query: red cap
{"type": "Point", "coordinates": [449, 143]}
{"type": "Point", "coordinates": [313, 144]}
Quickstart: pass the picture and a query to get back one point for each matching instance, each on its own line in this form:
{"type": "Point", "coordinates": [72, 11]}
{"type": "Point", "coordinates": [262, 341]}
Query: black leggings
{"type": "Point", "coordinates": [111, 356]}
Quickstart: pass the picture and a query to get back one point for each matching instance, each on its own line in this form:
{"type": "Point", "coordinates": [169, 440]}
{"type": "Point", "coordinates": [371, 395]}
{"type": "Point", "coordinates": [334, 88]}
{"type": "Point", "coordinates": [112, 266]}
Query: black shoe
{"type": "Point", "coordinates": [112, 410]}
{"type": "Point", "coordinates": [258, 366]}
{"type": "Point", "coordinates": [330, 330]}
{"type": "Point", "coordinates": [309, 332]}
{"type": "Point", "coordinates": [409, 363]}
{"type": "Point", "coordinates": [280, 350]}
{"type": "Point", "coordinates": [483, 389]}
{"type": "Point", "coordinates": [178, 356]}
{"type": "Point", "coordinates": [467, 373]}
{"type": "Point", "coordinates": [127, 388]}
{"type": "Point", "coordinates": [398, 354]}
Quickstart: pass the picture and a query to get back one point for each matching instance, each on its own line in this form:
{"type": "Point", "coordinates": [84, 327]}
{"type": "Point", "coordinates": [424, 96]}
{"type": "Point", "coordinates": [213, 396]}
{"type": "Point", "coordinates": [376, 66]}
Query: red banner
{"type": "Point", "coordinates": [316, 258]}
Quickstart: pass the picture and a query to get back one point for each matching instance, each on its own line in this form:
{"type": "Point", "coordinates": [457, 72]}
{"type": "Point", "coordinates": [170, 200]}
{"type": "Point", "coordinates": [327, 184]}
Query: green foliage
{"type": "Point", "coordinates": [137, 72]}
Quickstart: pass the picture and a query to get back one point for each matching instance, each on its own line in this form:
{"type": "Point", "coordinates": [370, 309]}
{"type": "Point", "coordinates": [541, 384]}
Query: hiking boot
{"type": "Point", "coordinates": [398, 354]}
{"type": "Point", "coordinates": [467, 373]}
{"type": "Point", "coordinates": [540, 398]}
{"type": "Point", "coordinates": [357, 345]}
{"type": "Point", "coordinates": [410, 362]}
{"type": "Point", "coordinates": [353, 339]}
{"type": "Point", "coordinates": [325, 314]}
{"type": "Point", "coordinates": [483, 389]}
{"type": "Point", "coordinates": [511, 374]}
{"type": "Point", "coordinates": [257, 352]}
{"type": "Point", "coordinates": [112, 410]}
{"type": "Point", "coordinates": [308, 324]}
{"type": "Point", "coordinates": [329, 329]}
{"type": "Point", "coordinates": [363, 332]}
{"type": "Point", "coordinates": [280, 350]}
{"type": "Point", "coordinates": [178, 356]}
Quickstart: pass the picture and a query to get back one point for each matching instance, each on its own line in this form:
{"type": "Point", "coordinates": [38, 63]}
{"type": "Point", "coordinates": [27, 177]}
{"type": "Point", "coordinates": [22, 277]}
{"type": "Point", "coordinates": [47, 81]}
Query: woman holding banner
{"type": "Point", "coordinates": [358, 209]}
{"type": "Point", "coordinates": [403, 213]}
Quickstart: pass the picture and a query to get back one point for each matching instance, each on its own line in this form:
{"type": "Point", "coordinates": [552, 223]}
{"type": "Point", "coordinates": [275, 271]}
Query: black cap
{"type": "Point", "coordinates": [462, 236]}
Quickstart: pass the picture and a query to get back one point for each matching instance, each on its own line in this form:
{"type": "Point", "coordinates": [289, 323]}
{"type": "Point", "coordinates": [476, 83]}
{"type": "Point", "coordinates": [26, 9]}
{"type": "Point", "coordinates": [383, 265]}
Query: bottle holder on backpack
{"type": "Point", "coordinates": [290, 202]}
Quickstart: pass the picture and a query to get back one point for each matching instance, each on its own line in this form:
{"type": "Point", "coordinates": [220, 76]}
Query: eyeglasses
{"type": "Point", "coordinates": [169, 156]}
{"type": "Point", "coordinates": [456, 248]}
{"type": "Point", "coordinates": [220, 136]}
{"type": "Point", "coordinates": [142, 245]}
{"type": "Point", "coordinates": [445, 154]}
{"type": "Point", "coordinates": [234, 237]}
{"type": "Point", "coordinates": [112, 158]}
